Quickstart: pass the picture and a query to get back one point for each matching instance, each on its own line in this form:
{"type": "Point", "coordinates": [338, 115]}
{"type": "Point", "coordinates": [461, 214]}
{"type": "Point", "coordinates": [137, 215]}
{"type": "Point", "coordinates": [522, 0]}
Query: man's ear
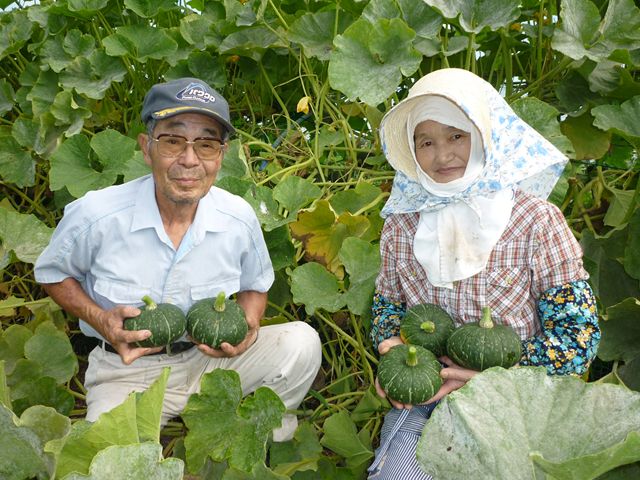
{"type": "Point", "coordinates": [143, 142]}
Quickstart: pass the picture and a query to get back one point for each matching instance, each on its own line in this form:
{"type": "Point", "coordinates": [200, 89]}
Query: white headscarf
{"type": "Point", "coordinates": [461, 221]}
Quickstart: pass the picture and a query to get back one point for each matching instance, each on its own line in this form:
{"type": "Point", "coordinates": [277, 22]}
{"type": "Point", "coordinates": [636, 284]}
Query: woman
{"type": "Point", "coordinates": [467, 226]}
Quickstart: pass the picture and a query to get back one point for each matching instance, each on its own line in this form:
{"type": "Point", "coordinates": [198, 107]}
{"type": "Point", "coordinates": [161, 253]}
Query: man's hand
{"type": "Point", "coordinates": [228, 350]}
{"type": "Point", "coordinates": [111, 326]}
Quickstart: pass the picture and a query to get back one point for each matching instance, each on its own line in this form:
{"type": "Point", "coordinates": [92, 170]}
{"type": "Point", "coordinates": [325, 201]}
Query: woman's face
{"type": "Point", "coordinates": [442, 151]}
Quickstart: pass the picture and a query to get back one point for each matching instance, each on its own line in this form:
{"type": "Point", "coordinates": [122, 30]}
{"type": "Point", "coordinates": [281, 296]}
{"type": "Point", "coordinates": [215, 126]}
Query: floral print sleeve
{"type": "Point", "coordinates": [570, 331]}
{"type": "Point", "coordinates": [387, 315]}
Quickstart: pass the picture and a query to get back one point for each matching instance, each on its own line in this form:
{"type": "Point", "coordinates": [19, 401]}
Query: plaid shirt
{"type": "Point", "coordinates": [536, 252]}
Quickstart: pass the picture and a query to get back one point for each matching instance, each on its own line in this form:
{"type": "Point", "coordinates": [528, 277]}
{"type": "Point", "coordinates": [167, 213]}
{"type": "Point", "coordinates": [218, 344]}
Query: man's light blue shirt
{"type": "Point", "coordinates": [114, 243]}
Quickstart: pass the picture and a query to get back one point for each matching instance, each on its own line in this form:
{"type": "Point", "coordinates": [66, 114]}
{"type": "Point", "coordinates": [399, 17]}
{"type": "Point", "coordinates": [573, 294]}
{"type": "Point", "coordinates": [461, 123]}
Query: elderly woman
{"type": "Point", "coordinates": [467, 226]}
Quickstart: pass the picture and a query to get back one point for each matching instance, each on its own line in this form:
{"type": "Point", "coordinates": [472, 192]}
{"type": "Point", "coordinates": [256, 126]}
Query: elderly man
{"type": "Point", "coordinates": [175, 237]}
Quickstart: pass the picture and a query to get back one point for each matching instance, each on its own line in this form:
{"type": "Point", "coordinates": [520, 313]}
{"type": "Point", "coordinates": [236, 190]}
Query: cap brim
{"type": "Point", "coordinates": [170, 112]}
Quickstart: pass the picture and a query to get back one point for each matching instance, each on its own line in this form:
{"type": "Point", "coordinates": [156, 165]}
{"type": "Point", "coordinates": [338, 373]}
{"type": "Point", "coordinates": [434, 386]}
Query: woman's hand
{"type": "Point", "coordinates": [454, 377]}
{"type": "Point", "coordinates": [384, 347]}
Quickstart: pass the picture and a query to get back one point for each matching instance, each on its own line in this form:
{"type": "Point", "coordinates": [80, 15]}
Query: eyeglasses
{"type": "Point", "coordinates": [174, 145]}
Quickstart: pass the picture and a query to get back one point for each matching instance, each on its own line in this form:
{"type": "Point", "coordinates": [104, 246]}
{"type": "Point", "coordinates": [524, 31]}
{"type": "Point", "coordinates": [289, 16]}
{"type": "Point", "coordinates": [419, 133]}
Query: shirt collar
{"type": "Point", "coordinates": [209, 217]}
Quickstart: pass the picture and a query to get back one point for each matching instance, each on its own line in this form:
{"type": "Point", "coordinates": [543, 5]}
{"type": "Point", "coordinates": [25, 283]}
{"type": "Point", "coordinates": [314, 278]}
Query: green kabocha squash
{"type": "Point", "coordinates": [409, 374]}
{"type": "Point", "coordinates": [481, 345]}
{"type": "Point", "coordinates": [429, 326]}
{"type": "Point", "coordinates": [166, 322]}
{"type": "Point", "coordinates": [213, 321]}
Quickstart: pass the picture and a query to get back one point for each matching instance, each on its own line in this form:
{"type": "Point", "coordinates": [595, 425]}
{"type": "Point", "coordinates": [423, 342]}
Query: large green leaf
{"type": "Point", "coordinates": [22, 442]}
{"type": "Point", "coordinates": [361, 260]}
{"type": "Point", "coordinates": [322, 233]}
{"type": "Point", "coordinates": [621, 25]}
{"type": "Point", "coordinates": [425, 21]}
{"type": "Point", "coordinates": [475, 15]}
{"type": "Point", "coordinates": [43, 92]}
{"type": "Point", "coordinates": [621, 331]}
{"type": "Point", "coordinates": [370, 58]}
{"type": "Point", "coordinates": [70, 111]}
{"type": "Point", "coordinates": [515, 423]}
{"type": "Point", "coordinates": [150, 8]}
{"type": "Point", "coordinates": [51, 348]}
{"type": "Point", "coordinates": [355, 199]}
{"type": "Point", "coordinates": [24, 234]}
{"type": "Point", "coordinates": [302, 453]}
{"type": "Point", "coordinates": [127, 462]}
{"type": "Point", "coordinates": [82, 166]}
{"type": "Point", "coordinates": [580, 23]}
{"type": "Point", "coordinates": [219, 410]}
{"type": "Point", "coordinates": [86, 6]}
{"type": "Point", "coordinates": [197, 30]}
{"type": "Point", "coordinates": [604, 259]}
{"type": "Point", "coordinates": [15, 32]}
{"type": "Point", "coordinates": [583, 33]}
{"type": "Point", "coordinates": [140, 42]}
{"type": "Point", "coordinates": [5, 398]}
{"type": "Point", "coordinates": [315, 32]}
{"type": "Point", "coordinates": [251, 42]}
{"type": "Point", "coordinates": [16, 165]}
{"type": "Point", "coordinates": [341, 436]}
{"type": "Point", "coordinates": [93, 75]}
{"type": "Point", "coordinates": [294, 193]}
{"type": "Point", "coordinates": [134, 421]}
{"type": "Point", "coordinates": [622, 119]}
{"type": "Point", "coordinates": [7, 96]}
{"type": "Point", "coordinates": [12, 344]}
{"type": "Point", "coordinates": [234, 163]}
{"type": "Point", "coordinates": [589, 142]}
{"type": "Point", "coordinates": [316, 288]}
{"type": "Point", "coordinates": [281, 250]}
{"type": "Point", "coordinates": [266, 208]}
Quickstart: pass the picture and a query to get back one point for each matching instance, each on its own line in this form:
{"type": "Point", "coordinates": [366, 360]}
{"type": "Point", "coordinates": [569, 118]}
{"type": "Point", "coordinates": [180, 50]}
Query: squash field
{"type": "Point", "coordinates": [308, 82]}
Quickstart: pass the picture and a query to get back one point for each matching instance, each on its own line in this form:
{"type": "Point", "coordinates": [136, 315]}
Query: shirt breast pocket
{"type": "Point", "coordinates": [121, 293]}
{"type": "Point", "coordinates": [508, 290]}
{"type": "Point", "coordinates": [211, 289]}
{"type": "Point", "coordinates": [413, 282]}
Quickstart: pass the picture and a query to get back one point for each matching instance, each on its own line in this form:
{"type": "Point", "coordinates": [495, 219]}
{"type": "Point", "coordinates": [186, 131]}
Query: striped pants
{"type": "Point", "coordinates": [395, 459]}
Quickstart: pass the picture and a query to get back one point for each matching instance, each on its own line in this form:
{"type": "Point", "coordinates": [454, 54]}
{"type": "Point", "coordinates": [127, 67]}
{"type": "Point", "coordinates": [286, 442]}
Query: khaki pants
{"type": "Point", "coordinates": [285, 358]}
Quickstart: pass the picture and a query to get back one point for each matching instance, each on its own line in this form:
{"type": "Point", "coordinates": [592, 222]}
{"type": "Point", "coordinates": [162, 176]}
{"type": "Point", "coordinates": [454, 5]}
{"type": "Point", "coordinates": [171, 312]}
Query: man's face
{"type": "Point", "coordinates": [183, 178]}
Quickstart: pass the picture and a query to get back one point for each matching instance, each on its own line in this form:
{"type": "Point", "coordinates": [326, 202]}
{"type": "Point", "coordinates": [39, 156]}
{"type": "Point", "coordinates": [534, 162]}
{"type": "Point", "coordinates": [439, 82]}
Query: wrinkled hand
{"type": "Point", "coordinates": [123, 341]}
{"type": "Point", "coordinates": [228, 350]}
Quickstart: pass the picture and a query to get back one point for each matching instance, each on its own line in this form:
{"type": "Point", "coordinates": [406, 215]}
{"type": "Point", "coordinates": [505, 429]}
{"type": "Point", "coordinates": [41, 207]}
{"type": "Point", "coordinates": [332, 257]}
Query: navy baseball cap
{"type": "Point", "coordinates": [185, 95]}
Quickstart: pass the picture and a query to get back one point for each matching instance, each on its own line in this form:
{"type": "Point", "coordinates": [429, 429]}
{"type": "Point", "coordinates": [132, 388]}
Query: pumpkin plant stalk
{"type": "Point", "coordinates": [485, 321]}
{"type": "Point", "coordinates": [428, 326]}
{"type": "Point", "coordinates": [412, 357]}
{"type": "Point", "coordinates": [148, 301]}
{"type": "Point", "coordinates": [219, 304]}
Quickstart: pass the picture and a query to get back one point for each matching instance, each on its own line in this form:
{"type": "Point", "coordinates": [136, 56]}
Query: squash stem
{"type": "Point", "coordinates": [485, 321]}
{"type": "Point", "coordinates": [412, 357]}
{"type": "Point", "coordinates": [428, 326]}
{"type": "Point", "coordinates": [148, 301]}
{"type": "Point", "coordinates": [219, 304]}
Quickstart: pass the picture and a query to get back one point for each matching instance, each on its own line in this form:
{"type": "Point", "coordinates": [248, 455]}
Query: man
{"type": "Point", "coordinates": [173, 236]}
